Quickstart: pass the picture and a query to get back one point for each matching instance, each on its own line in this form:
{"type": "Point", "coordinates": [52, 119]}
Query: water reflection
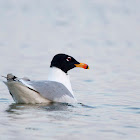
{"type": "Point", "coordinates": [13, 108]}
{"type": "Point", "coordinates": [40, 113]}
{"type": "Point", "coordinates": [52, 111]}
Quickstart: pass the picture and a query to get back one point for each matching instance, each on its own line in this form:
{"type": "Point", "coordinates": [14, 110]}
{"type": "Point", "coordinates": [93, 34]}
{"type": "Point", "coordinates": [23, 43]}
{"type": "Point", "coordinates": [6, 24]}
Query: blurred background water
{"type": "Point", "coordinates": [103, 34]}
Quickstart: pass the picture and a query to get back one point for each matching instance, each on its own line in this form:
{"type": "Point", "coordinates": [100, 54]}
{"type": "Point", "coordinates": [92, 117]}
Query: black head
{"type": "Point", "coordinates": [66, 62]}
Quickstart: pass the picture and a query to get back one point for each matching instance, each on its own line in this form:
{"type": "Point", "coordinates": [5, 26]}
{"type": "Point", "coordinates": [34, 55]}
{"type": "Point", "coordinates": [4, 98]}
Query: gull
{"type": "Point", "coordinates": [57, 88]}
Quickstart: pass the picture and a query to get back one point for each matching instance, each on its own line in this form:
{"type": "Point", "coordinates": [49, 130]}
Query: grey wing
{"type": "Point", "coordinates": [51, 90]}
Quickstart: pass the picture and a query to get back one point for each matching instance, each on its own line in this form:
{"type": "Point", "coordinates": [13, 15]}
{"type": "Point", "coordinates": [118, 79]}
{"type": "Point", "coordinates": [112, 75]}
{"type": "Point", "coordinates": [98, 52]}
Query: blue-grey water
{"type": "Point", "coordinates": [103, 34]}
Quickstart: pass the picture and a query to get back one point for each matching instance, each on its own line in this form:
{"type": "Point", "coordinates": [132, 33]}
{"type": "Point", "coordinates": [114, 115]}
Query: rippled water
{"type": "Point", "coordinates": [103, 34]}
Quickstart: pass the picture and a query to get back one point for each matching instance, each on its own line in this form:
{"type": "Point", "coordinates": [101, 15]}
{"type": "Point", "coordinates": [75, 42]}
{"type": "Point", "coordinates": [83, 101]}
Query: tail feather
{"type": "Point", "coordinates": [11, 77]}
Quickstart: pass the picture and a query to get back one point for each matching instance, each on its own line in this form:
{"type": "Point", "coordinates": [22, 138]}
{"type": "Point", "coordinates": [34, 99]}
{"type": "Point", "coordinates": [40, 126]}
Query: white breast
{"type": "Point", "coordinates": [56, 74]}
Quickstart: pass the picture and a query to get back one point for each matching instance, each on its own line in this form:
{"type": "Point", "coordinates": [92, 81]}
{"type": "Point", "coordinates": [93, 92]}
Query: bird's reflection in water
{"type": "Point", "coordinates": [14, 108]}
{"type": "Point", "coordinates": [52, 111]}
{"type": "Point", "coordinates": [18, 108]}
{"type": "Point", "coordinates": [47, 112]}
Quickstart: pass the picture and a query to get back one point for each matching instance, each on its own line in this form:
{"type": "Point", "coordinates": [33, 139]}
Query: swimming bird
{"type": "Point", "coordinates": [56, 89]}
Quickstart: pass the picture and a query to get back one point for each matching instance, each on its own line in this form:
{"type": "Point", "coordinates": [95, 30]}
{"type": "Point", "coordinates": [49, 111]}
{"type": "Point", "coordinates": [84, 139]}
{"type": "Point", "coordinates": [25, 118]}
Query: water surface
{"type": "Point", "coordinates": [100, 33]}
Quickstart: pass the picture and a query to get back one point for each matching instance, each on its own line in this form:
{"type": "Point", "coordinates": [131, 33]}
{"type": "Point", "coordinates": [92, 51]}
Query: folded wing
{"type": "Point", "coordinates": [51, 90]}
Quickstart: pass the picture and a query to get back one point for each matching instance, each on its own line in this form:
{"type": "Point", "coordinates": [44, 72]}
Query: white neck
{"type": "Point", "coordinates": [56, 74]}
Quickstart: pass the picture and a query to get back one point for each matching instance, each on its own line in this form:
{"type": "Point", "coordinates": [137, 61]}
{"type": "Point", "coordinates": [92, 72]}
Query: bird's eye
{"type": "Point", "coordinates": [68, 59]}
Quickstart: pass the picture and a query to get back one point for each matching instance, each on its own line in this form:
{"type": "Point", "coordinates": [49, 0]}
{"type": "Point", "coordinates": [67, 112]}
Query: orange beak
{"type": "Point", "coordinates": [82, 65]}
